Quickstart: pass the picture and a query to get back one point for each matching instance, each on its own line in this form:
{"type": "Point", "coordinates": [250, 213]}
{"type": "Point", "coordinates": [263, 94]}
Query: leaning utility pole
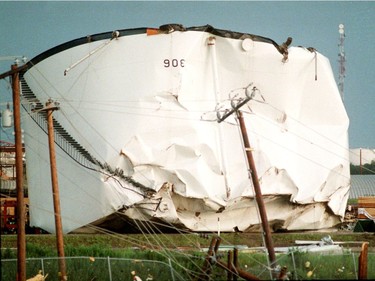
{"type": "Point", "coordinates": [258, 192]}
{"type": "Point", "coordinates": [49, 108]}
{"type": "Point", "coordinates": [253, 171]}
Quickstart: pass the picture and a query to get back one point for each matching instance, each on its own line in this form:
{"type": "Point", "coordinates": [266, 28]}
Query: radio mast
{"type": "Point", "coordinates": [342, 60]}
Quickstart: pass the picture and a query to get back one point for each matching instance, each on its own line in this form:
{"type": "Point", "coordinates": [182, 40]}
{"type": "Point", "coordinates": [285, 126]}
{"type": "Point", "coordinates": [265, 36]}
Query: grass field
{"type": "Point", "coordinates": [188, 240]}
{"type": "Point", "coordinates": [184, 251]}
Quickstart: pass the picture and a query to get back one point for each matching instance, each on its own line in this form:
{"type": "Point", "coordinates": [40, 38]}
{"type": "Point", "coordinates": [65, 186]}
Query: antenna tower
{"type": "Point", "coordinates": [342, 60]}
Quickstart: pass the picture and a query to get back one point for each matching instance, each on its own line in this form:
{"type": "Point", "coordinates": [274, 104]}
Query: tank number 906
{"type": "Point", "coordinates": [174, 63]}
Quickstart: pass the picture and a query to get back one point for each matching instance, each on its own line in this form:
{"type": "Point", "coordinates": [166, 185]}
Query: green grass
{"type": "Point", "coordinates": [324, 267]}
{"type": "Point", "coordinates": [89, 268]}
{"type": "Point", "coordinates": [120, 241]}
{"type": "Point", "coordinates": [131, 252]}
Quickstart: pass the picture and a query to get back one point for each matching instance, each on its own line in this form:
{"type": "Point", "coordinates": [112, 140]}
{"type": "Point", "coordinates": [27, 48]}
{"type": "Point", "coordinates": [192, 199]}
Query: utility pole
{"type": "Point", "coordinates": [21, 210]}
{"type": "Point", "coordinates": [258, 192]}
{"type": "Point", "coordinates": [253, 171]}
{"type": "Point", "coordinates": [49, 108]}
{"type": "Point", "coordinates": [21, 236]}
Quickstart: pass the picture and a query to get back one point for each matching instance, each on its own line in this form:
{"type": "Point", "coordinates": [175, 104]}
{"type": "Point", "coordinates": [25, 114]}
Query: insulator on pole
{"type": "Point", "coordinates": [6, 117]}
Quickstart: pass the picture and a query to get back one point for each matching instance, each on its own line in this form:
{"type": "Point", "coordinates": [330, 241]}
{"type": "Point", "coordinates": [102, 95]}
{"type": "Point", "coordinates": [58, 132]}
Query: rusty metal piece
{"type": "Point", "coordinates": [362, 262]}
{"type": "Point", "coordinates": [212, 258]}
{"type": "Point", "coordinates": [207, 266]}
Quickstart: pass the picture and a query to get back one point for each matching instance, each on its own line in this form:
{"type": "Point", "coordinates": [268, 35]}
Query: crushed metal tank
{"type": "Point", "coordinates": [138, 134]}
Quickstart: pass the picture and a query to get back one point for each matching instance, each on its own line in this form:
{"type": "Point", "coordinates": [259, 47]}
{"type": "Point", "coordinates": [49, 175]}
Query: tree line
{"type": "Point", "coordinates": [365, 169]}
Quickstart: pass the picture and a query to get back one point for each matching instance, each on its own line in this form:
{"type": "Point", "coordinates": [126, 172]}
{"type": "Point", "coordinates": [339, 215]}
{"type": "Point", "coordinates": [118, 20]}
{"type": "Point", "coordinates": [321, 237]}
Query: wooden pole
{"type": "Point", "coordinates": [21, 236]}
{"type": "Point", "coordinates": [212, 258]}
{"type": "Point", "coordinates": [230, 267]}
{"type": "Point", "coordinates": [206, 270]}
{"type": "Point", "coordinates": [258, 193]}
{"type": "Point", "coordinates": [55, 192]}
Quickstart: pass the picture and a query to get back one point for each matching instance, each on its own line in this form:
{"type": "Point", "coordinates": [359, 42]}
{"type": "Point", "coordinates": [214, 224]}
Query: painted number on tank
{"type": "Point", "coordinates": [174, 63]}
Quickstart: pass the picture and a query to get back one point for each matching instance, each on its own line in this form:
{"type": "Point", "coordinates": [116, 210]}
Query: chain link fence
{"type": "Point", "coordinates": [90, 268]}
{"type": "Point", "coordinates": [300, 266]}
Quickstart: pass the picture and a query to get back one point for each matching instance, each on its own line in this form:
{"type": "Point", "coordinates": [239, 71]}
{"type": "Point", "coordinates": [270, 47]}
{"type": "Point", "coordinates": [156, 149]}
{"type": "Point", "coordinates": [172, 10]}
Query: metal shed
{"type": "Point", "coordinates": [362, 185]}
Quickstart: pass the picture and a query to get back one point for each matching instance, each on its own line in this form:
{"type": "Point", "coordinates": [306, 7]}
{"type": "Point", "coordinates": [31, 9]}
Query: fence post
{"type": "Point", "coordinates": [354, 266]}
{"type": "Point", "coordinates": [294, 266]}
{"type": "Point", "coordinates": [42, 262]}
{"type": "Point", "coordinates": [109, 268]}
{"type": "Point", "coordinates": [170, 265]}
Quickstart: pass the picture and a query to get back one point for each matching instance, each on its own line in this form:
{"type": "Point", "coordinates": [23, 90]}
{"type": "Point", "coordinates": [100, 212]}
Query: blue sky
{"type": "Point", "coordinates": [29, 28]}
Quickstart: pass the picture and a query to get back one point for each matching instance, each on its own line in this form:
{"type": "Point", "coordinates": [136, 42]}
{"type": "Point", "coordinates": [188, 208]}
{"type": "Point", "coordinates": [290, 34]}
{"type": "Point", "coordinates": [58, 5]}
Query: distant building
{"type": "Point", "coordinates": [362, 185]}
{"type": "Point", "coordinates": [8, 169]}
